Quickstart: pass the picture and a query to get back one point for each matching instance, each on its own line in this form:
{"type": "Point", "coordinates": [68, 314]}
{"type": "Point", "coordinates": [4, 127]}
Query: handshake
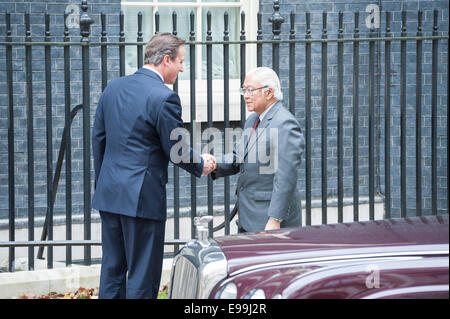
{"type": "Point", "coordinates": [209, 164]}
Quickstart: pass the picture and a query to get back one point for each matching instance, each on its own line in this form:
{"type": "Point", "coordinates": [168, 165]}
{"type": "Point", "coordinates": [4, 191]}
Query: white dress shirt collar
{"type": "Point", "coordinates": [152, 69]}
{"type": "Point", "coordinates": [266, 111]}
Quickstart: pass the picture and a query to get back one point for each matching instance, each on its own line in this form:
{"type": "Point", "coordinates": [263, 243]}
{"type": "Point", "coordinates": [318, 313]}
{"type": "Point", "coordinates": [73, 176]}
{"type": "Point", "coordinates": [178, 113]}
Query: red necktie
{"type": "Point", "coordinates": [255, 126]}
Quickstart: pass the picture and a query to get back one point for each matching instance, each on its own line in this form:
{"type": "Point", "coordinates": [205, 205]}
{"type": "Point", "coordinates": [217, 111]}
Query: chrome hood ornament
{"type": "Point", "coordinates": [201, 225]}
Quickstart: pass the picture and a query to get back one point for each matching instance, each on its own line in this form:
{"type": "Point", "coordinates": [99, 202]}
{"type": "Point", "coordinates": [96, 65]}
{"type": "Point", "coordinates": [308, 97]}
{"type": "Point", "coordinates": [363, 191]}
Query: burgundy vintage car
{"type": "Point", "coordinates": [395, 258]}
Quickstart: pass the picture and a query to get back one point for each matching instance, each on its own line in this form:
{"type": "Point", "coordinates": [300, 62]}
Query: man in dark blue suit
{"type": "Point", "coordinates": [131, 146]}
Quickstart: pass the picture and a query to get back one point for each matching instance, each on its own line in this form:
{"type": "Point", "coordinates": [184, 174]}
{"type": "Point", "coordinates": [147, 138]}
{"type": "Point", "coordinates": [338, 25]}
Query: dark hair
{"type": "Point", "coordinates": [160, 45]}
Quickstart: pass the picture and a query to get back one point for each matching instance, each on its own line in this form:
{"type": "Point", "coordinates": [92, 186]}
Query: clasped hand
{"type": "Point", "coordinates": [209, 164]}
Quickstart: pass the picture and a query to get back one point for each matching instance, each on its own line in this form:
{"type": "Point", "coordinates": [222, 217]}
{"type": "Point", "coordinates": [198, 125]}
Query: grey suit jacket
{"type": "Point", "coordinates": [268, 165]}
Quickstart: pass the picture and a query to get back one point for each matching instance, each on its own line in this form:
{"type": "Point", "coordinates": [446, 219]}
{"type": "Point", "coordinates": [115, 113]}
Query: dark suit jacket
{"type": "Point", "coordinates": [131, 146]}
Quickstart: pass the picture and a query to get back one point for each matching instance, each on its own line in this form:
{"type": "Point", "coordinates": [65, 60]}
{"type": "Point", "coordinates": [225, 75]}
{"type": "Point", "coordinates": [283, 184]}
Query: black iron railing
{"type": "Point", "coordinates": [306, 42]}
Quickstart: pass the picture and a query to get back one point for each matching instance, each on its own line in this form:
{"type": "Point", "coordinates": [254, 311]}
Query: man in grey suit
{"type": "Point", "coordinates": [267, 159]}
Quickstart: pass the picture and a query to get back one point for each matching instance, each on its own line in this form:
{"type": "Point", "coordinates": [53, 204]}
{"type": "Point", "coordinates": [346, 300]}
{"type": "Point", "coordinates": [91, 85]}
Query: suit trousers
{"type": "Point", "coordinates": [135, 246]}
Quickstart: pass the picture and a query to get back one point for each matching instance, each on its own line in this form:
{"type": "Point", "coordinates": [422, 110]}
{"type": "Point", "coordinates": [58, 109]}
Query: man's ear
{"type": "Point", "coordinates": [269, 93]}
{"type": "Point", "coordinates": [166, 59]}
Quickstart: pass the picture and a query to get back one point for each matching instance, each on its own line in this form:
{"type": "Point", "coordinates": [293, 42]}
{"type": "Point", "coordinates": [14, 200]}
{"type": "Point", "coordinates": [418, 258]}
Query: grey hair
{"type": "Point", "coordinates": [267, 77]}
{"type": "Point", "coordinates": [160, 45]}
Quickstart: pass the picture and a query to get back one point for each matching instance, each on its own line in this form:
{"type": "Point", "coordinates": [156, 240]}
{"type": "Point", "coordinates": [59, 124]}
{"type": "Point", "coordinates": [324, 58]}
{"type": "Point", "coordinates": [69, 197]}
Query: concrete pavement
{"type": "Point", "coordinates": [59, 279]}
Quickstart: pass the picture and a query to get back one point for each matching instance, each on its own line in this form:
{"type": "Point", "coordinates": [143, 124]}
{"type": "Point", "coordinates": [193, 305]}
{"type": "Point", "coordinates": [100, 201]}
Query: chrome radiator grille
{"type": "Point", "coordinates": [184, 280]}
{"type": "Point", "coordinates": [196, 270]}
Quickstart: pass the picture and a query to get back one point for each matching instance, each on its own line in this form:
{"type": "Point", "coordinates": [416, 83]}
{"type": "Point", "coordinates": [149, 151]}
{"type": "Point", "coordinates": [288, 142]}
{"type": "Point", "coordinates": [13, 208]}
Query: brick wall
{"type": "Point", "coordinates": [56, 9]}
{"type": "Point", "coordinates": [112, 8]}
{"type": "Point", "coordinates": [348, 8]}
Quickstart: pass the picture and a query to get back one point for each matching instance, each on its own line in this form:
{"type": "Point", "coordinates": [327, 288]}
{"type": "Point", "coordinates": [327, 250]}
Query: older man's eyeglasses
{"type": "Point", "coordinates": [250, 92]}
